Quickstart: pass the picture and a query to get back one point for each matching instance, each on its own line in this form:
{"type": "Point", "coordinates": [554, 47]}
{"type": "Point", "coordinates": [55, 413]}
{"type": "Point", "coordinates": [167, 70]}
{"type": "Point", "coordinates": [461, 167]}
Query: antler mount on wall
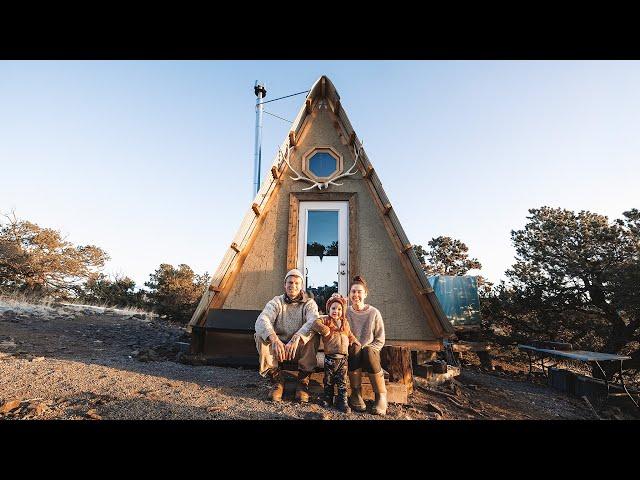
{"type": "Point", "coordinates": [318, 169]}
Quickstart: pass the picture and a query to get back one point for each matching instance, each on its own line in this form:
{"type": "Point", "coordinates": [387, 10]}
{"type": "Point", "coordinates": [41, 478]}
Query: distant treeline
{"type": "Point", "coordinates": [39, 262]}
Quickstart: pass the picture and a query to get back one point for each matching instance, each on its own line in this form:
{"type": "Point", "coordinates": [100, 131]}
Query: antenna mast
{"type": "Point", "coordinates": [261, 92]}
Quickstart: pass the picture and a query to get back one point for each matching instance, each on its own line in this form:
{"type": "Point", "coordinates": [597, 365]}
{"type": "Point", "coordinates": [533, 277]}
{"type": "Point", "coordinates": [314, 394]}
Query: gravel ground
{"type": "Point", "coordinates": [77, 362]}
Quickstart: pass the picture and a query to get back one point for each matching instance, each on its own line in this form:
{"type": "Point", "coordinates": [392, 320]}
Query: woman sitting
{"type": "Point", "coordinates": [368, 328]}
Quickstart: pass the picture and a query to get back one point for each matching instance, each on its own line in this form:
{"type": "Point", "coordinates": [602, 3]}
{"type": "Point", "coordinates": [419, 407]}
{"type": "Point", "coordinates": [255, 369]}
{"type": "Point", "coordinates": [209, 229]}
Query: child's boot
{"type": "Point", "coordinates": [355, 399]}
{"type": "Point", "coordinates": [341, 402]}
{"type": "Point", "coordinates": [327, 400]}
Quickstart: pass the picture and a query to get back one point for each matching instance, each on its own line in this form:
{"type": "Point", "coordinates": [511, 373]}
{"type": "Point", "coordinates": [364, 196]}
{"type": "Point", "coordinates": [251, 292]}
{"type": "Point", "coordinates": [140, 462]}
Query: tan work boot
{"type": "Point", "coordinates": [277, 386]}
{"type": "Point", "coordinates": [302, 389]}
{"type": "Point", "coordinates": [380, 391]}
{"type": "Point", "coordinates": [355, 399]}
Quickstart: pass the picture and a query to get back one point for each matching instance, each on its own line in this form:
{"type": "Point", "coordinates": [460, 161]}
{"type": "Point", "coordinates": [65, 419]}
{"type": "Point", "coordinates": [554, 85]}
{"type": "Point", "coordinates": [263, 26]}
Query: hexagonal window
{"type": "Point", "coordinates": [323, 164]}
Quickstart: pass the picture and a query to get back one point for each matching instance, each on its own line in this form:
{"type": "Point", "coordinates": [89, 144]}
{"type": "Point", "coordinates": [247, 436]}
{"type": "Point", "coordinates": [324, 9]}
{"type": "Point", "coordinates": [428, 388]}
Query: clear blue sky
{"type": "Point", "coordinates": [152, 161]}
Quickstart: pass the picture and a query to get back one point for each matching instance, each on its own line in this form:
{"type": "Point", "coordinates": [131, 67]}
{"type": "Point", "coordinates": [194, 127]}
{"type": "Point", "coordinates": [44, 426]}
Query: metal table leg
{"type": "Point", "coordinates": [606, 382]}
{"type": "Point", "coordinates": [530, 365]}
{"type": "Point", "coordinates": [625, 387]}
{"type": "Point", "coordinates": [542, 365]}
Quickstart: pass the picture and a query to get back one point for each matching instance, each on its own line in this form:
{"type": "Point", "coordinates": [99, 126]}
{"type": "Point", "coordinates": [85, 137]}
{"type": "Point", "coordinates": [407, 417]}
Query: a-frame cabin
{"type": "Point", "coordinates": [321, 209]}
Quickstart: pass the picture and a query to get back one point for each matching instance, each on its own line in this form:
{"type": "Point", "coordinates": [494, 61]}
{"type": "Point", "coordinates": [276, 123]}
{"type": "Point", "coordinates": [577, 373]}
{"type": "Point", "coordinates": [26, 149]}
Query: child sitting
{"type": "Point", "coordinates": [336, 336]}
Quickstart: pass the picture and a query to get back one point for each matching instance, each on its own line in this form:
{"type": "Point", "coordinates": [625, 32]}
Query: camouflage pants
{"type": "Point", "coordinates": [335, 373]}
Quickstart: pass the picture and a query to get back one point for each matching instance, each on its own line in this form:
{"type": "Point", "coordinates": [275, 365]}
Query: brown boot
{"type": "Point", "coordinates": [277, 386]}
{"type": "Point", "coordinates": [355, 399]}
{"type": "Point", "coordinates": [302, 390]}
{"type": "Point", "coordinates": [380, 391]}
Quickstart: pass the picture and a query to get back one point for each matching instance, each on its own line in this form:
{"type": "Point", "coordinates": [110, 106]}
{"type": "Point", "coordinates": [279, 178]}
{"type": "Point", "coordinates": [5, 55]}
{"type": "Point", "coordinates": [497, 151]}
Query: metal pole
{"type": "Point", "coordinates": [261, 92]}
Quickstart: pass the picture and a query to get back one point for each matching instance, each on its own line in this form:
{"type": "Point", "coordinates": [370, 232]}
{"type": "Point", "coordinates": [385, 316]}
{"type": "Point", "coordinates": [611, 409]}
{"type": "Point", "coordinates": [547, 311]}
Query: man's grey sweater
{"type": "Point", "coordinates": [286, 319]}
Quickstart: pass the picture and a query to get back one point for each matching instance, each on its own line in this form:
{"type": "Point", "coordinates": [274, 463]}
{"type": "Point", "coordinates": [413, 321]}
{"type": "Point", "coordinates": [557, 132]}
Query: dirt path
{"type": "Point", "coordinates": [82, 363]}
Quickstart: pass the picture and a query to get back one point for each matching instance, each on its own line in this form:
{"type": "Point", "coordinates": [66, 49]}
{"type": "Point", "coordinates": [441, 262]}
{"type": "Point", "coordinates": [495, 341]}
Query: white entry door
{"type": "Point", "coordinates": [323, 248]}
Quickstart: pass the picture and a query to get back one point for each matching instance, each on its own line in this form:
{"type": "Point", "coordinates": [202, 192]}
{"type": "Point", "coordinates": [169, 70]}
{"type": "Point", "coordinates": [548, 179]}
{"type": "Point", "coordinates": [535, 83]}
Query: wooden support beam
{"type": "Point", "coordinates": [256, 209]}
{"type": "Point", "coordinates": [274, 172]}
{"type": "Point", "coordinates": [336, 107]}
{"type": "Point", "coordinates": [387, 208]}
{"type": "Point", "coordinates": [308, 107]}
{"type": "Point", "coordinates": [425, 291]}
{"type": "Point", "coordinates": [418, 345]}
{"type": "Point", "coordinates": [369, 172]}
{"type": "Point", "coordinates": [292, 245]}
{"type": "Point", "coordinates": [407, 247]}
{"type": "Point", "coordinates": [214, 289]}
{"type": "Point", "coordinates": [235, 247]}
{"type": "Point", "coordinates": [352, 140]}
{"type": "Point", "coordinates": [292, 138]}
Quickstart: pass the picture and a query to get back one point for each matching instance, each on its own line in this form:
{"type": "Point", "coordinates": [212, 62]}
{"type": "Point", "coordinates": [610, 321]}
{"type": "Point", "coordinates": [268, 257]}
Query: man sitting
{"type": "Point", "coordinates": [283, 332]}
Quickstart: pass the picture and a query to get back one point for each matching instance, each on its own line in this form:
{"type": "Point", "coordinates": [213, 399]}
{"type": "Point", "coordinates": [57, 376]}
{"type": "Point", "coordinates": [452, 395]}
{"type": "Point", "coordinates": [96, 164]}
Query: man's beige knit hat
{"type": "Point", "coordinates": [294, 272]}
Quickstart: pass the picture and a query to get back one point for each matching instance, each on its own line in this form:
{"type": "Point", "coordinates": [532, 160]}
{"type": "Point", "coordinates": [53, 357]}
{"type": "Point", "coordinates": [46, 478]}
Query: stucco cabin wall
{"type": "Point", "coordinates": [261, 275]}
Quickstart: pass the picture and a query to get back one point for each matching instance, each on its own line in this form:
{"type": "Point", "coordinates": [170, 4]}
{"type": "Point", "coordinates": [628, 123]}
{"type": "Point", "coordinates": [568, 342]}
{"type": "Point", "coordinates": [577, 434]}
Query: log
{"type": "Point", "coordinates": [397, 361]}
